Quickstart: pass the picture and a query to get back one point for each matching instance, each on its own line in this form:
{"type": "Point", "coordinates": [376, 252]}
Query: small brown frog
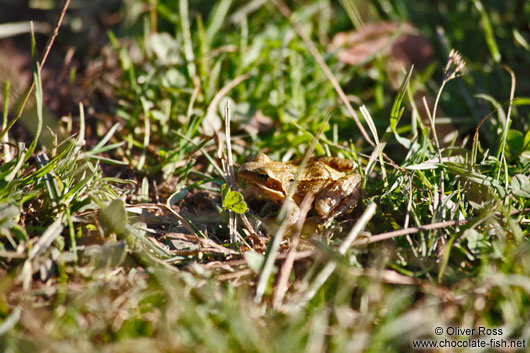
{"type": "Point", "coordinates": [335, 192]}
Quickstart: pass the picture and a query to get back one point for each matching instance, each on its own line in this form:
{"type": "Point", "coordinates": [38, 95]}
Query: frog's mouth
{"type": "Point", "coordinates": [275, 195]}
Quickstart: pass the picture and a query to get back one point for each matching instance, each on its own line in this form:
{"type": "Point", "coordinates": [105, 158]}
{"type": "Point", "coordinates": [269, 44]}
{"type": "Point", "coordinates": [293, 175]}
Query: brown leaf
{"type": "Point", "coordinates": [410, 47]}
{"type": "Point", "coordinates": [259, 123]}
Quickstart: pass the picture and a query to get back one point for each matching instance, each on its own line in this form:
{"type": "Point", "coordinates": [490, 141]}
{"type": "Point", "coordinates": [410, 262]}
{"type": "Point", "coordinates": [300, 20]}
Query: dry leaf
{"type": "Point", "coordinates": [355, 47]}
{"type": "Point", "coordinates": [258, 124]}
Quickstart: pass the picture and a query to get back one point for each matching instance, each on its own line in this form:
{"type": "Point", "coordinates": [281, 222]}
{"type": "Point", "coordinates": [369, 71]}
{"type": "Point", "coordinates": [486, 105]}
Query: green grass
{"type": "Point", "coordinates": [117, 237]}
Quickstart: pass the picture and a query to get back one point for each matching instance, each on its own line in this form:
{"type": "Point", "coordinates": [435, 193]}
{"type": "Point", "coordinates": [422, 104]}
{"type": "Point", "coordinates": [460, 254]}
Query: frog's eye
{"type": "Point", "coordinates": [262, 176]}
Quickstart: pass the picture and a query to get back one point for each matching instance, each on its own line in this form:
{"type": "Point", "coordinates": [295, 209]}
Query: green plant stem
{"type": "Point", "coordinates": [432, 119]}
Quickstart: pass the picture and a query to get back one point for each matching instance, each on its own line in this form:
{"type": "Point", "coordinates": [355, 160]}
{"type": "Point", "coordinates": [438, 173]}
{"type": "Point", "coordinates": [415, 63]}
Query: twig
{"type": "Point", "coordinates": [235, 275]}
{"type": "Point", "coordinates": [230, 178]}
{"type": "Point", "coordinates": [12, 255]}
{"type": "Point", "coordinates": [284, 9]}
{"type": "Point", "coordinates": [300, 255]}
{"type": "Point", "coordinates": [393, 277]}
{"type": "Point", "coordinates": [222, 92]}
{"type": "Point", "coordinates": [231, 181]}
{"type": "Point", "coordinates": [411, 230]}
{"type": "Point", "coordinates": [272, 252]}
{"type": "Point", "coordinates": [283, 280]}
{"type": "Point", "coordinates": [229, 174]}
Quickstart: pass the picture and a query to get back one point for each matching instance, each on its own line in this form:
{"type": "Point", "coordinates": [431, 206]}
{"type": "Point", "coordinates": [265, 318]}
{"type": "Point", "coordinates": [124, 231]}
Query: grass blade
{"type": "Point", "coordinates": [186, 33]}
{"type": "Point", "coordinates": [488, 31]}
{"type": "Point", "coordinates": [38, 97]}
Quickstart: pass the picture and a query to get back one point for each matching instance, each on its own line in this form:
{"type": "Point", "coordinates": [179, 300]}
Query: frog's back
{"type": "Point", "coordinates": [337, 163]}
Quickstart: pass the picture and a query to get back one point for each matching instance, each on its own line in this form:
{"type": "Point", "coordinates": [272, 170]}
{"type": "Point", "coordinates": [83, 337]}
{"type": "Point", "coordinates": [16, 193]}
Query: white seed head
{"type": "Point", "coordinates": [455, 66]}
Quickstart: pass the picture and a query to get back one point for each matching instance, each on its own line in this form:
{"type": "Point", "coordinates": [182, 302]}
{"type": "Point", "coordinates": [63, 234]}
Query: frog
{"type": "Point", "coordinates": [330, 181]}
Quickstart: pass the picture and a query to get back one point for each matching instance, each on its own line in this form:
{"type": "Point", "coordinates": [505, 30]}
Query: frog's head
{"type": "Point", "coordinates": [268, 177]}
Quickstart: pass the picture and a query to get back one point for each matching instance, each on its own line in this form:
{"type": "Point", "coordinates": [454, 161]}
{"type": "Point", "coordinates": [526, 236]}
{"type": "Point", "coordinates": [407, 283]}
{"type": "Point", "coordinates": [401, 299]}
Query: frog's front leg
{"type": "Point", "coordinates": [339, 197]}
